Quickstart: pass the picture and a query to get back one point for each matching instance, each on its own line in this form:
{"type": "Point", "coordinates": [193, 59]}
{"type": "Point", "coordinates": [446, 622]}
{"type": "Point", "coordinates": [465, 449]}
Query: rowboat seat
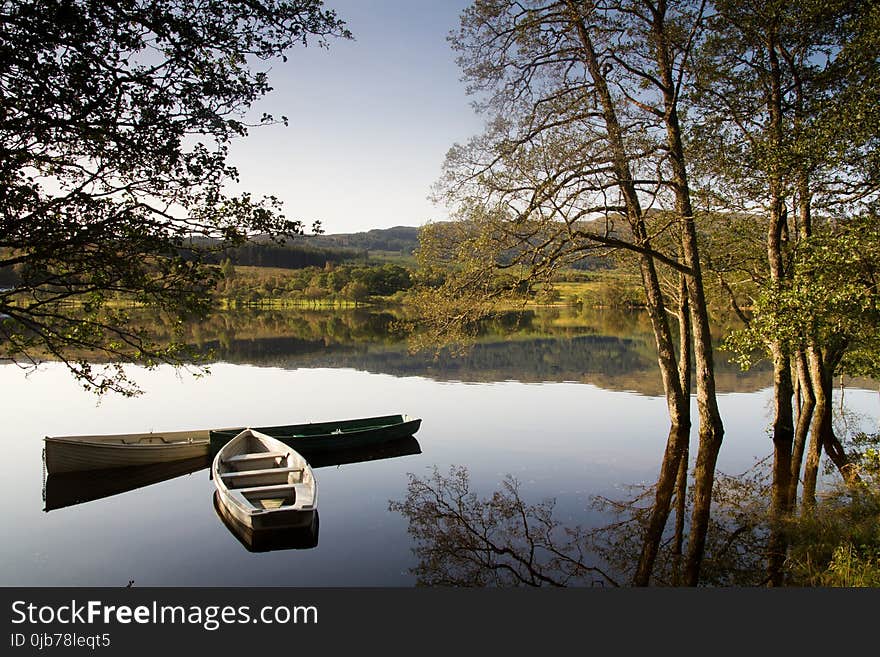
{"type": "Point", "coordinates": [258, 473]}
{"type": "Point", "coordinates": [273, 489]}
{"type": "Point", "coordinates": [259, 478]}
{"type": "Point", "coordinates": [255, 457]}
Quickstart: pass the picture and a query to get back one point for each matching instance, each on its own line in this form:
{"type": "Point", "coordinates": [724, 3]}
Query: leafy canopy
{"type": "Point", "coordinates": [114, 130]}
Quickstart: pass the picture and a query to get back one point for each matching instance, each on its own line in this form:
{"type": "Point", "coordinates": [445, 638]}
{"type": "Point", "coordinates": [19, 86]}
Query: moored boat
{"type": "Point", "coordinates": [316, 437]}
{"type": "Point", "coordinates": [76, 453]}
{"type": "Point", "coordinates": [263, 483]}
{"type": "Point", "coordinates": [101, 452]}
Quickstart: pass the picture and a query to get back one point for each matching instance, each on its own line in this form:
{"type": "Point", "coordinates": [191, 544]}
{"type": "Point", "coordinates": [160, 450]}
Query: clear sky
{"type": "Point", "coordinates": [370, 119]}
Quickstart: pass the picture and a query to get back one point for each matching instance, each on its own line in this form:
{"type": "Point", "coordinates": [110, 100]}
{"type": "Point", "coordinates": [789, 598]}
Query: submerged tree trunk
{"type": "Point", "coordinates": [820, 424]}
{"type": "Point", "coordinates": [684, 371]}
{"type": "Point", "coordinates": [783, 411]}
{"type": "Point", "coordinates": [711, 430]}
{"type": "Point", "coordinates": [678, 404]}
{"type": "Point", "coordinates": [783, 440]}
{"type": "Point", "coordinates": [672, 482]}
{"type": "Point", "coordinates": [822, 436]}
{"type": "Point", "coordinates": [804, 418]}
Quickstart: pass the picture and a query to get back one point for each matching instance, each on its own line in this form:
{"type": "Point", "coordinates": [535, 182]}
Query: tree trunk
{"type": "Point", "coordinates": [711, 427]}
{"type": "Point", "coordinates": [677, 403]}
{"type": "Point", "coordinates": [822, 366]}
{"type": "Point", "coordinates": [673, 470]}
{"type": "Point", "coordinates": [783, 439]}
{"type": "Point", "coordinates": [802, 428]}
{"type": "Point", "coordinates": [783, 415]}
{"type": "Point", "coordinates": [820, 424]}
{"type": "Point", "coordinates": [684, 372]}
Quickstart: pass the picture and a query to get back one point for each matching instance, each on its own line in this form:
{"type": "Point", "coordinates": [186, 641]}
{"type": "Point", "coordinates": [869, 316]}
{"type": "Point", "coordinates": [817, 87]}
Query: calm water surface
{"type": "Point", "coordinates": [570, 411]}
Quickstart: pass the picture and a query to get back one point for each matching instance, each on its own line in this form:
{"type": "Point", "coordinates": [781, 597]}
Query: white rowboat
{"type": "Point", "coordinates": [76, 453]}
{"type": "Point", "coordinates": [263, 483]}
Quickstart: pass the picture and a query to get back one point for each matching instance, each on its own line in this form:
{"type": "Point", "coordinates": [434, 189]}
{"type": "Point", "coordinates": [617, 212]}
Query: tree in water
{"type": "Point", "coordinates": [584, 153]}
{"type": "Point", "coordinates": [784, 142]}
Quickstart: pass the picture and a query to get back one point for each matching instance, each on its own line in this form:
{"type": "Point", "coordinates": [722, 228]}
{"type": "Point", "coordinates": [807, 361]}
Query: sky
{"type": "Point", "coordinates": [370, 120]}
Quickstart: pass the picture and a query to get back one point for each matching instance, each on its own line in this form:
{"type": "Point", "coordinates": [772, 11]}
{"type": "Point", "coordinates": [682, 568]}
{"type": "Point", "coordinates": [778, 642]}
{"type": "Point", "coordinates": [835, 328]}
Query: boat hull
{"type": "Point", "coordinates": [74, 455]}
{"type": "Point", "coordinates": [83, 453]}
{"type": "Point", "coordinates": [319, 437]}
{"type": "Point", "coordinates": [268, 520]}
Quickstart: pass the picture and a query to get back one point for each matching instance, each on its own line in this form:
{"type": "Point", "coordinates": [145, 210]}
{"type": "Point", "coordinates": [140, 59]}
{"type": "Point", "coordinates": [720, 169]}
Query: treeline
{"type": "Point", "coordinates": [316, 250]}
{"type": "Point", "coordinates": [288, 256]}
{"type": "Point", "coordinates": [330, 283]}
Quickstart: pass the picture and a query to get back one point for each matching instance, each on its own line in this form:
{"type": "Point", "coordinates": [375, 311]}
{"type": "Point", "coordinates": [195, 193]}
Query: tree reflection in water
{"type": "Point", "coordinates": [463, 540]}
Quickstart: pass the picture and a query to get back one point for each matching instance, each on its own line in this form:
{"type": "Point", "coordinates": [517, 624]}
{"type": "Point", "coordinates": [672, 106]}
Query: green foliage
{"type": "Point", "coordinates": [853, 566]}
{"type": "Point", "coordinates": [331, 282]}
{"type": "Point", "coordinates": [355, 291]}
{"type": "Point", "coordinates": [832, 299]}
{"type": "Point", "coordinates": [114, 134]}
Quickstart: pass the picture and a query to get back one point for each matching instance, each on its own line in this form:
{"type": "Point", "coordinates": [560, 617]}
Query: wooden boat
{"type": "Point", "coordinates": [318, 437]}
{"type": "Point", "coordinates": [63, 489]}
{"type": "Point", "coordinates": [263, 483]}
{"type": "Point", "coordinates": [76, 453]}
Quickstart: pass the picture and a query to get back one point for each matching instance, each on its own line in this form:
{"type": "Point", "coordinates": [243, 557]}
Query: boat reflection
{"type": "Point", "coordinates": [393, 449]}
{"type": "Point", "coordinates": [63, 489]}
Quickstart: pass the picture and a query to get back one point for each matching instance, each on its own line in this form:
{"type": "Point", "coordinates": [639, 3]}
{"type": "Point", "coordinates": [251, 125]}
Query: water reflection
{"type": "Point", "coordinates": [610, 349]}
{"type": "Point", "coordinates": [462, 540]}
{"type": "Point", "coordinates": [393, 449]}
{"type": "Point", "coordinates": [64, 489]}
{"type": "Point", "coordinates": [502, 540]}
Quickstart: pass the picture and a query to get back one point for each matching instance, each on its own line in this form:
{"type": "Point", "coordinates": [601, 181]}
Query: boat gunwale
{"type": "Point", "coordinates": [404, 420]}
{"type": "Point", "coordinates": [111, 445]}
{"type": "Point", "coordinates": [228, 494]}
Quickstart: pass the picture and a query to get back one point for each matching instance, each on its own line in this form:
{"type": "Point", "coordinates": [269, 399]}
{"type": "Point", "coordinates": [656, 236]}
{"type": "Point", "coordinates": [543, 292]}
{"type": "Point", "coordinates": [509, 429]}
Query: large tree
{"type": "Point", "coordinates": [784, 107]}
{"type": "Point", "coordinates": [585, 152]}
{"type": "Point", "coordinates": [115, 121]}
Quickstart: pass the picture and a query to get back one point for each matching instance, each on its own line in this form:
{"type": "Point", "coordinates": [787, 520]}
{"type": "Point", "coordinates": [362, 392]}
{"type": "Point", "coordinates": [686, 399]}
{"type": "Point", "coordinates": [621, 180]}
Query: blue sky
{"type": "Point", "coordinates": [370, 119]}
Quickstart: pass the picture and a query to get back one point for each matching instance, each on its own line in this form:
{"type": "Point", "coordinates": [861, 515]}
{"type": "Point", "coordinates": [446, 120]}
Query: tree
{"type": "Point", "coordinates": [115, 125]}
{"type": "Point", "coordinates": [355, 291]}
{"type": "Point", "coordinates": [584, 146]}
{"type": "Point", "coordinates": [784, 110]}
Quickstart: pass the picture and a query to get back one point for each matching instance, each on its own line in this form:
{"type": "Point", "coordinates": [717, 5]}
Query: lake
{"type": "Point", "coordinates": [568, 403]}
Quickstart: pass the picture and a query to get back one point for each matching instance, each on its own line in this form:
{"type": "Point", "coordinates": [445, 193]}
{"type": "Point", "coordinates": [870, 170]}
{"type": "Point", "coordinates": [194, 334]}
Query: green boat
{"type": "Point", "coordinates": [317, 437]}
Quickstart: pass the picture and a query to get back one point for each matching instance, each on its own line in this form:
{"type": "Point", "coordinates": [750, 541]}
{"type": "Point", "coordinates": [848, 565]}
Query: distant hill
{"type": "Point", "coordinates": [317, 250]}
{"type": "Point", "coordinates": [401, 239]}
